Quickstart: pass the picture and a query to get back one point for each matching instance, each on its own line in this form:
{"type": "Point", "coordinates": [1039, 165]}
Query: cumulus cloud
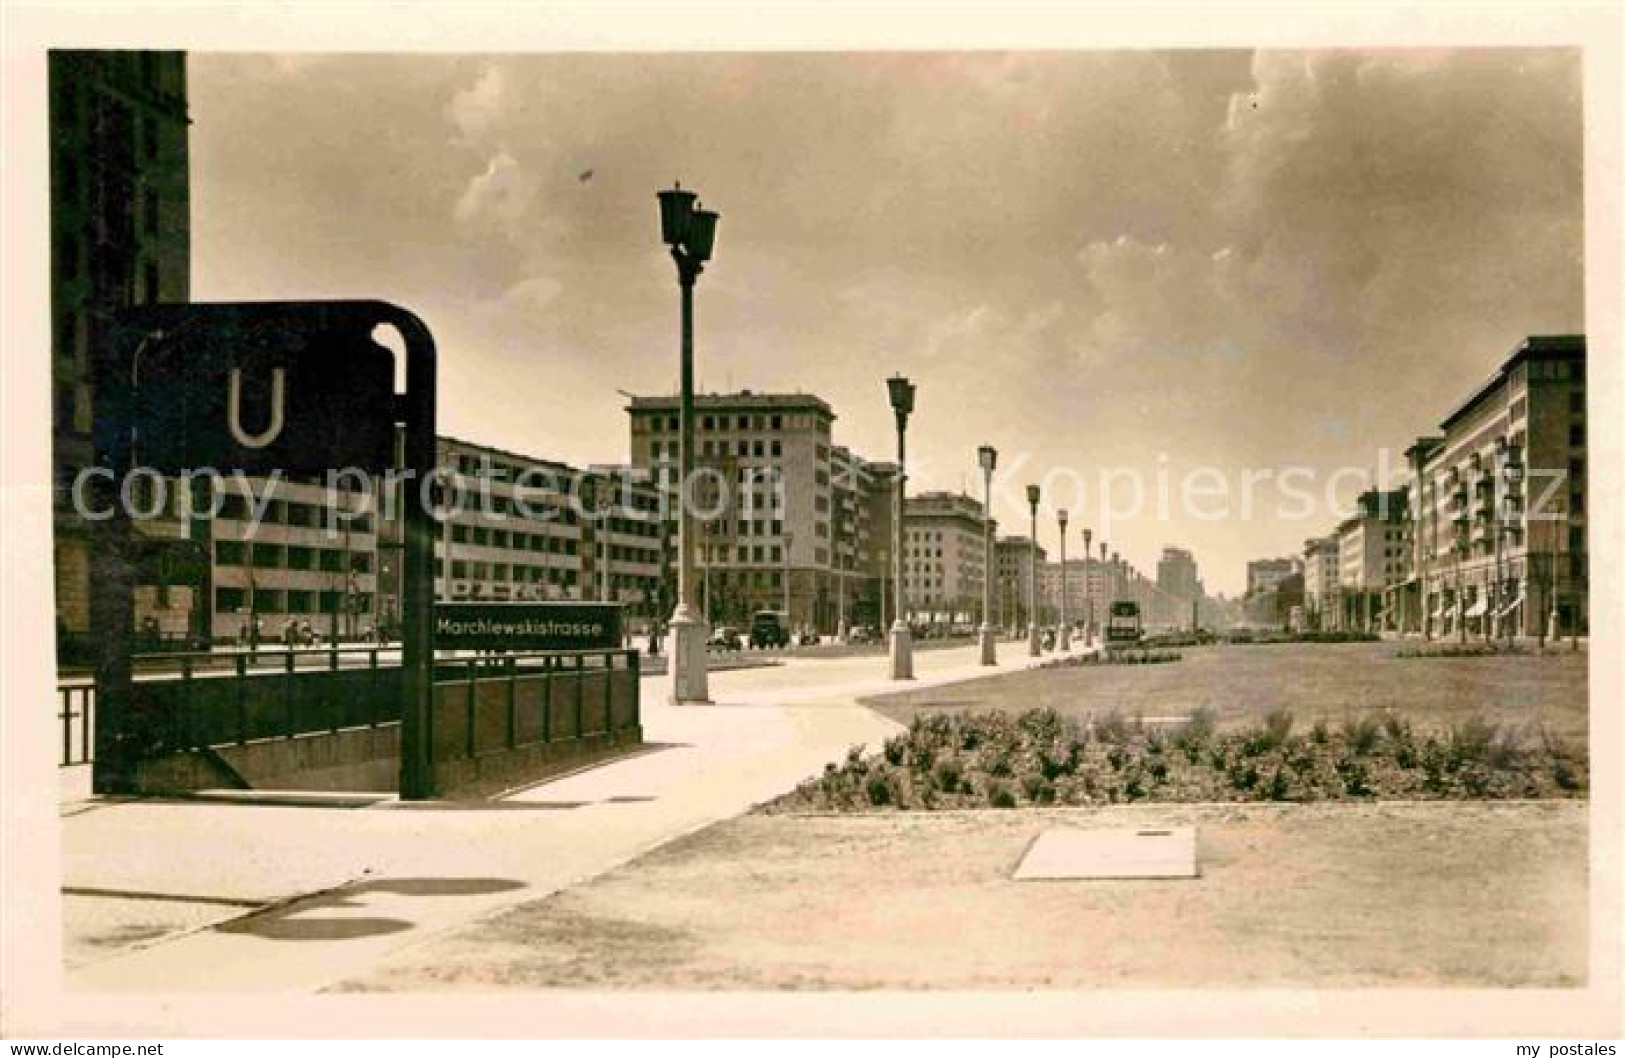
{"type": "Point", "coordinates": [477, 108]}
{"type": "Point", "coordinates": [497, 196]}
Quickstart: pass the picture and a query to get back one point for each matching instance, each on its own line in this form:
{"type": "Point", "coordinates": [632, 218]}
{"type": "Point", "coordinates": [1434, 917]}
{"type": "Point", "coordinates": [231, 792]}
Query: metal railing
{"type": "Point", "coordinates": [78, 727]}
{"type": "Point", "coordinates": [211, 699]}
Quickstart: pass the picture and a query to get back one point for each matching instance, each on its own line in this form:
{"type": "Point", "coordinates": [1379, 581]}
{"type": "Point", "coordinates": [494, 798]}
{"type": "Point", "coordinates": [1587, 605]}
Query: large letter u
{"type": "Point", "coordinates": [234, 411]}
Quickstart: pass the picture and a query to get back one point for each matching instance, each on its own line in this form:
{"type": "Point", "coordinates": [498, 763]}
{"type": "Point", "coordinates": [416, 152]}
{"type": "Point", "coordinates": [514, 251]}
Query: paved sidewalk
{"type": "Point", "coordinates": [139, 875]}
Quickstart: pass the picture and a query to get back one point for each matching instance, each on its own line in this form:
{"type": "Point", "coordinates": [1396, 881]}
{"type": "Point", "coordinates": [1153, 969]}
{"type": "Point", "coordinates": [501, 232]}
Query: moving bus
{"type": "Point", "coordinates": [1123, 627]}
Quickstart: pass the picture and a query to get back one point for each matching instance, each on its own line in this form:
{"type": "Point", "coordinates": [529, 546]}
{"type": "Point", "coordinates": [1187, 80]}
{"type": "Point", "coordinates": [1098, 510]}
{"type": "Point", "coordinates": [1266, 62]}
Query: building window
{"type": "Point", "coordinates": [151, 281]}
{"type": "Point", "coordinates": [1577, 436]}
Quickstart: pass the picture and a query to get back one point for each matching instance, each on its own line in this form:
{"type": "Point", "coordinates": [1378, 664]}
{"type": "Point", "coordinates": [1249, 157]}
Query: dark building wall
{"type": "Point", "coordinates": [120, 236]}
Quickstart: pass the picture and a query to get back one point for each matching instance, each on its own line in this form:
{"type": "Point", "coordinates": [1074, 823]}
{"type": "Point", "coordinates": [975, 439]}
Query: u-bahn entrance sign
{"type": "Point", "coordinates": [527, 626]}
{"type": "Point", "coordinates": [290, 388]}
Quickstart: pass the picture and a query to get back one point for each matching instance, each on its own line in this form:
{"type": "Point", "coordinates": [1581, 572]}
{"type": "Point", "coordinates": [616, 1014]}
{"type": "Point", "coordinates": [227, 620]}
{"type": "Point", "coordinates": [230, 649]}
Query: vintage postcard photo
{"type": "Point", "coordinates": [540, 519]}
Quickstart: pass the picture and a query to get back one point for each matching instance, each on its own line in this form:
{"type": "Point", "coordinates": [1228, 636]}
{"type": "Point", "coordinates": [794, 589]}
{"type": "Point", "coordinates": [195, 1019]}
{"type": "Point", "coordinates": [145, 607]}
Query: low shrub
{"type": "Point", "coordinates": [1362, 734]}
{"type": "Point", "coordinates": [1277, 728]}
{"type": "Point", "coordinates": [999, 795]}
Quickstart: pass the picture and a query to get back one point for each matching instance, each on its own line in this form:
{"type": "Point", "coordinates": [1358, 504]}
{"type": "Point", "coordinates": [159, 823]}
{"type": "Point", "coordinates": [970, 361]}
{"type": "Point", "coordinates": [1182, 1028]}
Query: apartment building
{"type": "Point", "coordinates": [1498, 541]}
{"type": "Point", "coordinates": [120, 237]}
{"type": "Point", "coordinates": [1321, 594]}
{"type": "Point", "coordinates": [1014, 557]}
{"type": "Point", "coordinates": [943, 564]}
{"type": "Point", "coordinates": [1370, 559]}
{"type": "Point", "coordinates": [1265, 573]}
{"type": "Point", "coordinates": [787, 519]}
{"type": "Point", "coordinates": [535, 529]}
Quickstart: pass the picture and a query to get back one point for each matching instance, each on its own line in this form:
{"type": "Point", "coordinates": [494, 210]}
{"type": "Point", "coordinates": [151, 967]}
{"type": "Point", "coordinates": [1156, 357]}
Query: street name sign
{"type": "Point", "coordinates": [526, 626]}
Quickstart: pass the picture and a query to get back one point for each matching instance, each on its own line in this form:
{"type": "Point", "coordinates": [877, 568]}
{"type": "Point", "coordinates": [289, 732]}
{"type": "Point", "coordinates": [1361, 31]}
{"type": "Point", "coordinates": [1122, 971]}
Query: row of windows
{"type": "Point", "coordinates": [502, 572]}
{"type": "Point", "coordinates": [716, 449]}
{"type": "Point", "coordinates": [757, 554]}
{"type": "Point", "coordinates": [752, 528]}
{"type": "Point", "coordinates": [290, 601]}
{"type": "Point", "coordinates": [728, 421]}
{"type": "Point", "coordinates": [545, 478]}
{"type": "Point", "coordinates": [289, 556]}
{"type": "Point", "coordinates": [236, 507]}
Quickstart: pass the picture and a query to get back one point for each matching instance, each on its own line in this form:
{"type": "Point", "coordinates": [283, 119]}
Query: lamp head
{"type": "Point", "coordinates": [988, 457]}
{"type": "Point", "coordinates": [1060, 516]}
{"type": "Point", "coordinates": [702, 234]}
{"type": "Point", "coordinates": [902, 394]}
{"type": "Point", "coordinates": [1032, 497]}
{"type": "Point", "coordinates": [676, 209]}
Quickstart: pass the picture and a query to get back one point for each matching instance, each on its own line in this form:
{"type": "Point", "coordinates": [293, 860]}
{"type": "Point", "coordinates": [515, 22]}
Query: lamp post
{"type": "Point", "coordinates": [1460, 549]}
{"type": "Point", "coordinates": [1033, 647]}
{"type": "Point", "coordinates": [789, 541]}
{"type": "Point", "coordinates": [1088, 598]}
{"type": "Point", "coordinates": [885, 560]}
{"type": "Point", "coordinates": [988, 457]}
{"type": "Point", "coordinates": [1064, 641]}
{"type": "Point", "coordinates": [690, 232]}
{"type": "Point", "coordinates": [901, 391]}
{"type": "Point", "coordinates": [840, 598]}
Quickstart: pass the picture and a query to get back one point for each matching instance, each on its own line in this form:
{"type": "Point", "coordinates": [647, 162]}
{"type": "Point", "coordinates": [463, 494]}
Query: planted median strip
{"type": "Point", "coordinates": [997, 760]}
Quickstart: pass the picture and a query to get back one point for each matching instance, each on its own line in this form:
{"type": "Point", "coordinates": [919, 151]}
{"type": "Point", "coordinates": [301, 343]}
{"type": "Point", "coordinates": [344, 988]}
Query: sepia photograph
{"type": "Point", "coordinates": [978, 527]}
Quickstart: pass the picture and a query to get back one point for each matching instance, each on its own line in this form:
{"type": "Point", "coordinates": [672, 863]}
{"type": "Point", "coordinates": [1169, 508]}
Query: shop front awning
{"type": "Point", "coordinates": [1478, 608]}
{"type": "Point", "coordinates": [1509, 607]}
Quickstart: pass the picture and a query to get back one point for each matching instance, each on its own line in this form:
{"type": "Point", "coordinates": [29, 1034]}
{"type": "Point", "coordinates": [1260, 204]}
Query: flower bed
{"type": "Point", "coordinates": [1116, 657]}
{"type": "Point", "coordinates": [995, 760]}
{"type": "Point", "coordinates": [1477, 650]}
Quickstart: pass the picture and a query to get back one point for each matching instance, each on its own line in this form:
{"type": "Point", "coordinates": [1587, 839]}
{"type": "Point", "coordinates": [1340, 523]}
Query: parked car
{"type": "Point", "coordinates": [861, 634]}
{"type": "Point", "coordinates": [768, 629]}
{"type": "Point", "coordinates": [724, 637]}
{"type": "Point", "coordinates": [808, 638]}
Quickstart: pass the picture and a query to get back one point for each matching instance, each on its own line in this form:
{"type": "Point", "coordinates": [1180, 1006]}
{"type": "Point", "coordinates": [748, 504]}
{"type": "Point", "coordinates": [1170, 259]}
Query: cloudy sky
{"type": "Point", "coordinates": [1098, 262]}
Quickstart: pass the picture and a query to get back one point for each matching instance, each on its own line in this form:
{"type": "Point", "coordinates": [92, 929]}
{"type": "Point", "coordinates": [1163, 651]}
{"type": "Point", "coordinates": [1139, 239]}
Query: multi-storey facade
{"type": "Point", "coordinates": [1013, 557]}
{"type": "Point", "coordinates": [784, 517]}
{"type": "Point", "coordinates": [861, 527]}
{"type": "Point", "coordinates": [1370, 558]}
{"type": "Point", "coordinates": [943, 564]}
{"type": "Point", "coordinates": [1179, 589]}
{"type": "Point", "coordinates": [1265, 573]}
{"type": "Point", "coordinates": [120, 237]}
{"type": "Point", "coordinates": [1498, 540]}
{"type": "Point", "coordinates": [533, 529]}
{"type": "Point", "coordinates": [1321, 594]}
{"type": "Point", "coordinates": [1176, 574]}
{"type": "Point", "coordinates": [512, 528]}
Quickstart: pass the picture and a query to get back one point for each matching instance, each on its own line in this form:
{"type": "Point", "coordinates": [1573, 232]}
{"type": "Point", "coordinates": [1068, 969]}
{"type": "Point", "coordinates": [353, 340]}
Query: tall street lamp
{"type": "Point", "coordinates": [901, 391]}
{"type": "Point", "coordinates": [840, 598]}
{"type": "Point", "coordinates": [1088, 600]}
{"type": "Point", "coordinates": [988, 457]}
{"type": "Point", "coordinates": [789, 542]}
{"type": "Point", "coordinates": [691, 234]}
{"type": "Point", "coordinates": [1033, 648]}
{"type": "Point", "coordinates": [1065, 640]}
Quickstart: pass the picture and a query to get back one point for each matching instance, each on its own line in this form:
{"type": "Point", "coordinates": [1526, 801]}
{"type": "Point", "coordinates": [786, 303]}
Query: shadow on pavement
{"type": "Point", "coordinates": [305, 919]}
